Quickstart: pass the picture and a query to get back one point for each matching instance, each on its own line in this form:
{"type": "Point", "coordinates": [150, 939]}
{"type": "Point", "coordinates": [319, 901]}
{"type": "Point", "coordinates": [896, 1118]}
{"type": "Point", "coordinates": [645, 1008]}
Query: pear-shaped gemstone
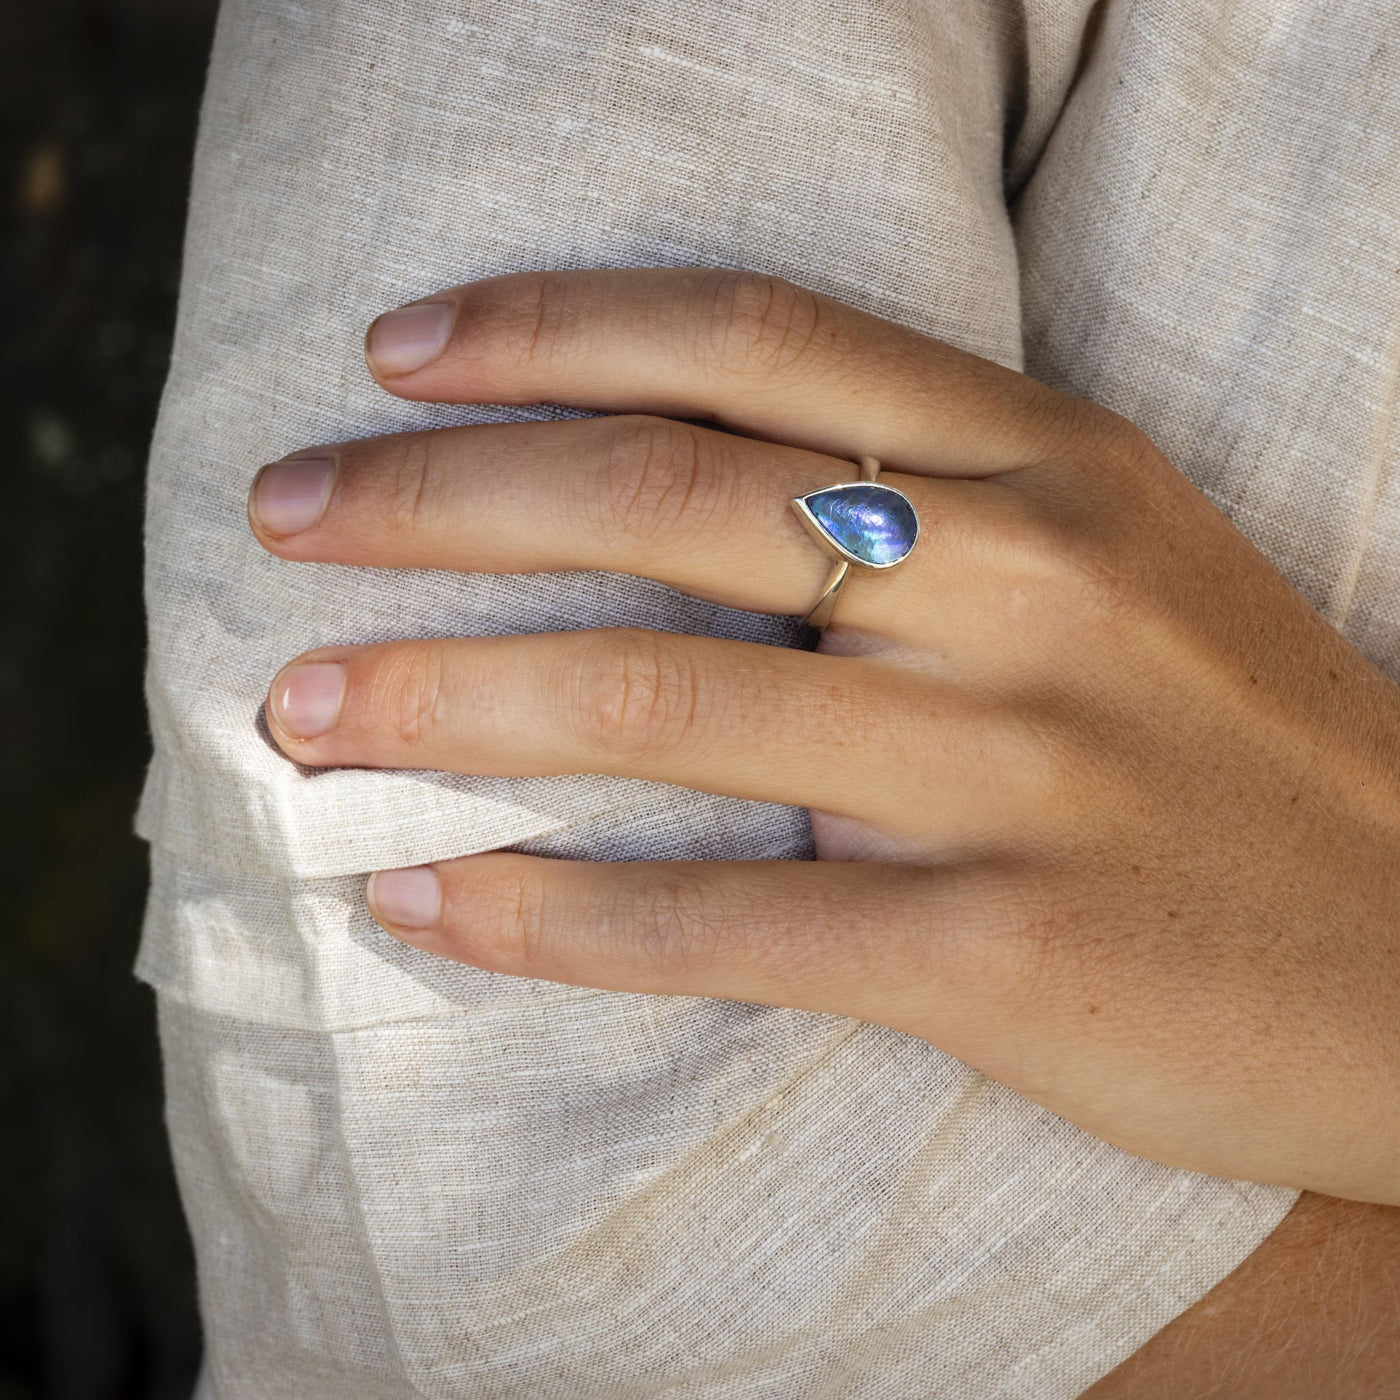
{"type": "Point", "coordinates": [874, 524]}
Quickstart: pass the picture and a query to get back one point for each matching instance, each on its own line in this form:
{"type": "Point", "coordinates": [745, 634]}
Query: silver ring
{"type": "Point", "coordinates": [862, 523]}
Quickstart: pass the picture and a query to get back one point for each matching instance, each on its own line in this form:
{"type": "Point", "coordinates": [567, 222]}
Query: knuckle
{"type": "Point", "coordinates": [508, 903]}
{"type": "Point", "coordinates": [1068, 562]}
{"type": "Point", "coordinates": [1035, 544]}
{"type": "Point", "coordinates": [763, 325]}
{"type": "Point", "coordinates": [634, 693]}
{"type": "Point", "coordinates": [653, 481]}
{"type": "Point", "coordinates": [523, 318]}
{"type": "Point", "coordinates": [1044, 743]}
{"type": "Point", "coordinates": [411, 686]}
{"type": "Point", "coordinates": [677, 929]}
{"type": "Point", "coordinates": [1118, 439]}
{"type": "Point", "coordinates": [1023, 742]}
{"type": "Point", "coordinates": [1102, 586]}
{"type": "Point", "coordinates": [409, 479]}
{"type": "Point", "coordinates": [1070, 427]}
{"type": "Point", "coordinates": [1066, 786]}
{"type": "Point", "coordinates": [1092, 446]}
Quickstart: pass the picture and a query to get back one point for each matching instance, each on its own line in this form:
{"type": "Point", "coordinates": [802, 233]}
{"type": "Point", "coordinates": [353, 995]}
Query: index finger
{"type": "Point", "coordinates": [752, 352]}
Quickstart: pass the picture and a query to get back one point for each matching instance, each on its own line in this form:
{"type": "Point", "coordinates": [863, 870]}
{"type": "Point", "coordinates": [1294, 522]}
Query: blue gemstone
{"type": "Point", "coordinates": [874, 523]}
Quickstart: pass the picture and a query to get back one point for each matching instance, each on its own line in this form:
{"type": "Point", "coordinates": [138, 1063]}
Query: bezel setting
{"type": "Point", "coordinates": [833, 546]}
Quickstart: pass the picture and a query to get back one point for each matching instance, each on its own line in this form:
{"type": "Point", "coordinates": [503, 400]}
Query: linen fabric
{"type": "Point", "coordinates": [407, 1177]}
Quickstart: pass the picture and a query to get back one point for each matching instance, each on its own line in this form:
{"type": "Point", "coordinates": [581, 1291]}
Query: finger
{"type": "Point", "coordinates": [820, 935]}
{"type": "Point", "coordinates": [704, 511]}
{"type": "Point", "coordinates": [845, 735]}
{"type": "Point", "coordinates": [752, 352]}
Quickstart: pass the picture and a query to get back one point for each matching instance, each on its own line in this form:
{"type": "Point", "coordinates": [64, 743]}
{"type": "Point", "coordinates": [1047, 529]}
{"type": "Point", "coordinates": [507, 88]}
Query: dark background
{"type": "Point", "coordinates": [99, 101]}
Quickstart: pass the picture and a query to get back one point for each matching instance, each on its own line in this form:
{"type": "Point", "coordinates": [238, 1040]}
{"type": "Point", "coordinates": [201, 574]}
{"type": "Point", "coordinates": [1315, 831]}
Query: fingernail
{"type": "Point", "coordinates": [292, 496]}
{"type": "Point", "coordinates": [407, 339]}
{"type": "Point", "coordinates": [405, 898]}
{"type": "Point", "coordinates": [306, 699]}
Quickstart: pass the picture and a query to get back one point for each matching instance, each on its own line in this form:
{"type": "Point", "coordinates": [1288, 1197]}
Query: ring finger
{"type": "Point", "coordinates": [850, 736]}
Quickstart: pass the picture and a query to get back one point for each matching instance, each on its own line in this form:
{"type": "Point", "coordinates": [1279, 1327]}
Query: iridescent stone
{"type": "Point", "coordinates": [872, 523]}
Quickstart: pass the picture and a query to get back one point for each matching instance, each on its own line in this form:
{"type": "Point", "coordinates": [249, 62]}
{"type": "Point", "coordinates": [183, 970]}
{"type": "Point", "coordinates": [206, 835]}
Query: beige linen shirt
{"type": "Point", "coordinates": [407, 1177]}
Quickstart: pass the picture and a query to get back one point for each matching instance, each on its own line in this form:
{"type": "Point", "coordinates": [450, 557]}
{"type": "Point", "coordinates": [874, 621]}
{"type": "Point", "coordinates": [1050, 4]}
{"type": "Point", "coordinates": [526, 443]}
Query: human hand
{"type": "Point", "coordinates": [1102, 806]}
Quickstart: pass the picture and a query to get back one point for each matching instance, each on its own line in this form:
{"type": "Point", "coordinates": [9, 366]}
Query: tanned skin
{"type": "Point", "coordinates": [1312, 1314]}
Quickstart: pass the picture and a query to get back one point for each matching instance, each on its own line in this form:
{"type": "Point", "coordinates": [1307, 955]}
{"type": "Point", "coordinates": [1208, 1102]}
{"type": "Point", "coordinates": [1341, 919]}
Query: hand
{"type": "Point", "coordinates": [1102, 806]}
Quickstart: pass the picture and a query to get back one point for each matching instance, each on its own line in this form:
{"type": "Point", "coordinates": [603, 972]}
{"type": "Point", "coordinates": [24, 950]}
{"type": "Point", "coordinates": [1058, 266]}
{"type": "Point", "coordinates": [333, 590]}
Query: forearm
{"type": "Point", "coordinates": [1312, 1314]}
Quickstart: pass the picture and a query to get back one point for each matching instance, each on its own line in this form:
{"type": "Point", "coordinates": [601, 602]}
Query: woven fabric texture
{"type": "Point", "coordinates": [411, 1178]}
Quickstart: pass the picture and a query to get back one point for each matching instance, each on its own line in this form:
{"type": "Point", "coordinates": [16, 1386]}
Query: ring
{"type": "Point", "coordinates": [864, 523]}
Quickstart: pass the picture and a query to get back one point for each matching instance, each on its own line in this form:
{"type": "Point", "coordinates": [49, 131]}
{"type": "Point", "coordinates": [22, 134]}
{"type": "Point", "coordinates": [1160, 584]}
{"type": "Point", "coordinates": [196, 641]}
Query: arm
{"type": "Point", "coordinates": [1313, 1312]}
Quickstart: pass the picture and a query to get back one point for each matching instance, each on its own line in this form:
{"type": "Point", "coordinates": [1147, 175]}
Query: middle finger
{"type": "Point", "coordinates": [702, 510]}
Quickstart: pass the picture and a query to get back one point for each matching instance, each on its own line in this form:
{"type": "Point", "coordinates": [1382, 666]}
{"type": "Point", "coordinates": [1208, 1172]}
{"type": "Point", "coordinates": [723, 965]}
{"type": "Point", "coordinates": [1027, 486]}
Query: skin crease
{"type": "Point", "coordinates": [1130, 808]}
